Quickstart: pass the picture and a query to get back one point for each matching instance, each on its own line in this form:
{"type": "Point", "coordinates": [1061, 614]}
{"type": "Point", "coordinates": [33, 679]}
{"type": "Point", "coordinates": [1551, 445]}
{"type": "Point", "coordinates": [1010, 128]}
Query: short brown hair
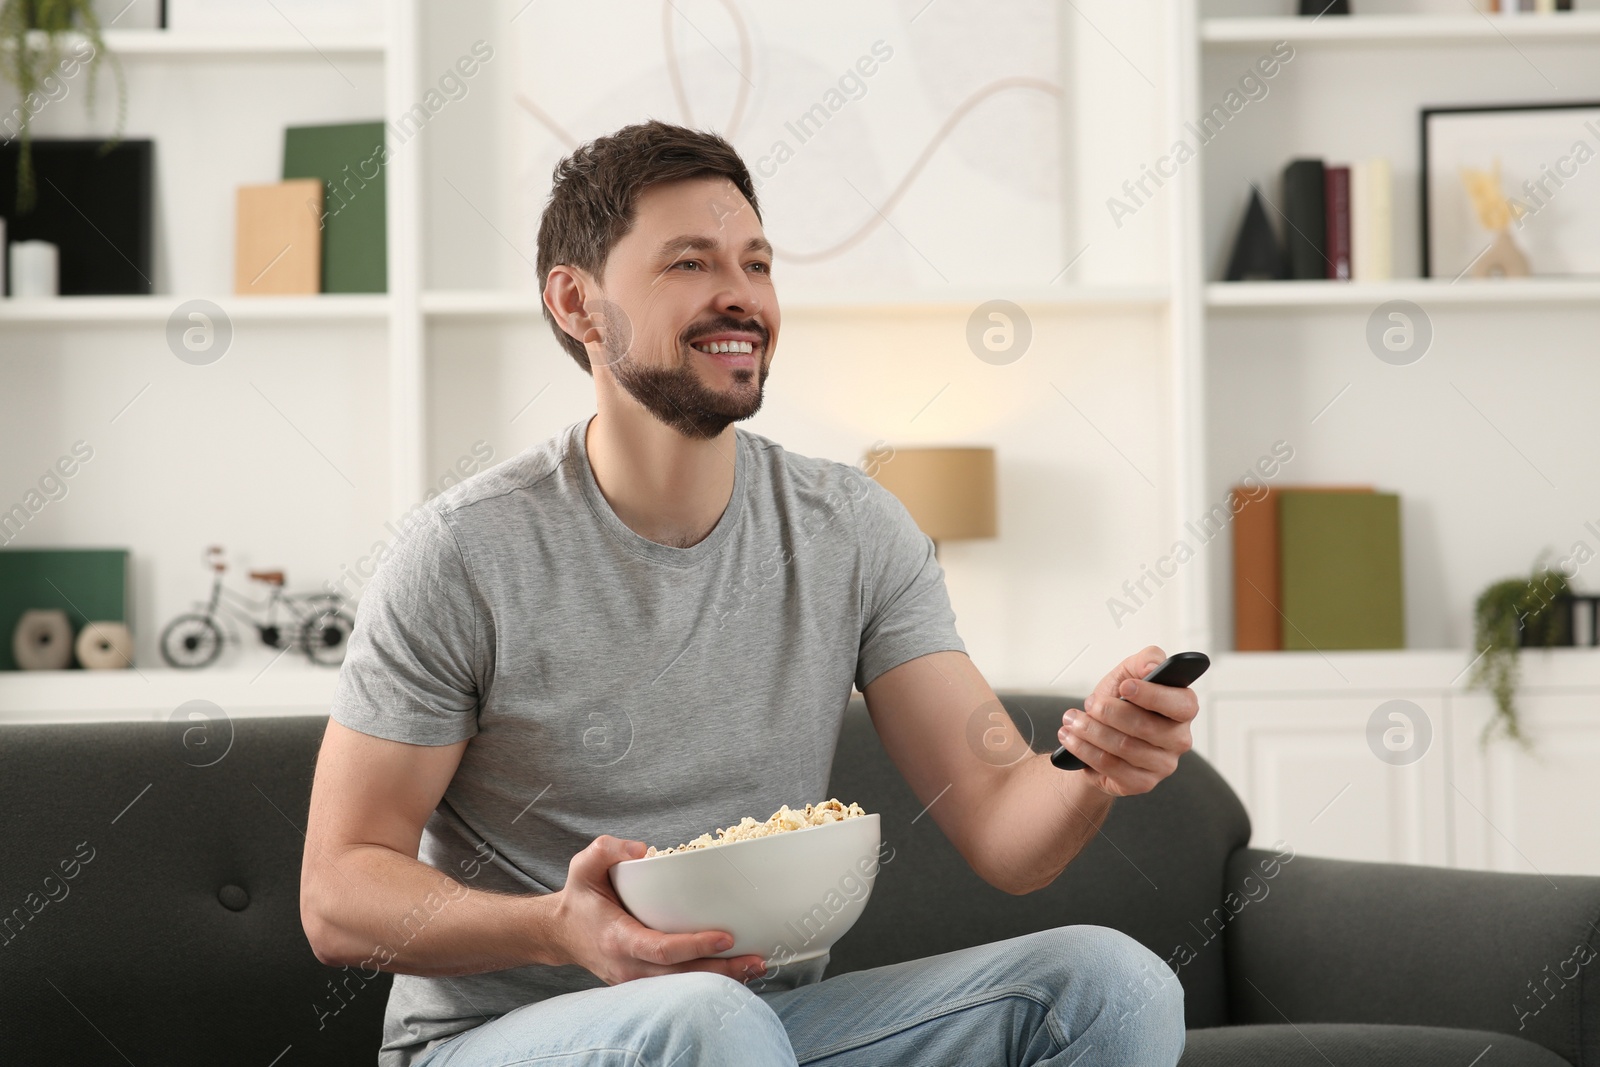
{"type": "Point", "coordinates": [596, 189]}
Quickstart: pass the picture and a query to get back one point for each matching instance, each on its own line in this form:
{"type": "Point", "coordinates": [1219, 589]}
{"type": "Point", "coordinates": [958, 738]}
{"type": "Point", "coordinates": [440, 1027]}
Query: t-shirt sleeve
{"type": "Point", "coordinates": [416, 662]}
{"type": "Point", "coordinates": [905, 609]}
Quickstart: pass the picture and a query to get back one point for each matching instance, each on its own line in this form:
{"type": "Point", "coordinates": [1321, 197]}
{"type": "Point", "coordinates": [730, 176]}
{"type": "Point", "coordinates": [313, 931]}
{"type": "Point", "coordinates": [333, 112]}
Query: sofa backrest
{"type": "Point", "coordinates": [150, 906]}
{"type": "Point", "coordinates": [1155, 872]}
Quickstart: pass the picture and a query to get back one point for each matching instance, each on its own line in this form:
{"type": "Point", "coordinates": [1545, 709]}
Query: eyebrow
{"type": "Point", "coordinates": [674, 247]}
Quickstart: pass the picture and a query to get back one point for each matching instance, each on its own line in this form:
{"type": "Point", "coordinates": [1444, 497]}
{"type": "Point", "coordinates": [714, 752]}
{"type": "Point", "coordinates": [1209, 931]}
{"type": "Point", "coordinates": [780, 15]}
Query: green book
{"type": "Point", "coordinates": [350, 160]}
{"type": "Point", "coordinates": [89, 584]}
{"type": "Point", "coordinates": [1340, 559]}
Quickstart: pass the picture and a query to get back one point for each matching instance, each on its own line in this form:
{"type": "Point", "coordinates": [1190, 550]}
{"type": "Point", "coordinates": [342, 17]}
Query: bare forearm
{"type": "Point", "coordinates": [373, 908]}
{"type": "Point", "coordinates": [1039, 819]}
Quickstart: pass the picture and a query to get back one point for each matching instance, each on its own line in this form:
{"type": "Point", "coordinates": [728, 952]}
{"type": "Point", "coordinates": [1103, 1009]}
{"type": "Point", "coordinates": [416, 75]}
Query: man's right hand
{"type": "Point", "coordinates": [594, 931]}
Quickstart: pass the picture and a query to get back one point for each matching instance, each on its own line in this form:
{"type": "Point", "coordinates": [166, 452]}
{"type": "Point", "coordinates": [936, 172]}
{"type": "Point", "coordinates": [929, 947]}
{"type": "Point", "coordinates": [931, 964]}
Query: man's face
{"type": "Point", "coordinates": [693, 274]}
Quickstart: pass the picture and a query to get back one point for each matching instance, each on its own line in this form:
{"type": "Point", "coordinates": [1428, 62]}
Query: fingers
{"type": "Point", "coordinates": [1163, 731]}
{"type": "Point", "coordinates": [1119, 777]}
{"type": "Point", "coordinates": [603, 853]}
{"type": "Point", "coordinates": [666, 950]}
{"type": "Point", "coordinates": [654, 952]}
{"type": "Point", "coordinates": [1178, 704]}
{"type": "Point", "coordinates": [1141, 662]}
{"type": "Point", "coordinates": [1135, 666]}
{"type": "Point", "coordinates": [739, 968]}
{"type": "Point", "coordinates": [1124, 747]}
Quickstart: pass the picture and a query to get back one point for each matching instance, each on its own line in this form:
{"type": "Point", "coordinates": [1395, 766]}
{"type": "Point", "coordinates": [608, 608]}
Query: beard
{"type": "Point", "coordinates": [676, 396]}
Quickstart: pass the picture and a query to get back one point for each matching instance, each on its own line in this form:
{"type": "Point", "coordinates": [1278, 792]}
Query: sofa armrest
{"type": "Point", "coordinates": [1335, 941]}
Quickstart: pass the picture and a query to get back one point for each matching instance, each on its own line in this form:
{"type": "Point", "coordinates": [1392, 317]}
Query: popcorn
{"type": "Point", "coordinates": [785, 818]}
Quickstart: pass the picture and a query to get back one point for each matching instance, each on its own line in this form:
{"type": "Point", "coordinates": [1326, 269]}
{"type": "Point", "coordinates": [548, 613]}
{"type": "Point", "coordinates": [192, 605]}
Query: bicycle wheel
{"type": "Point", "coordinates": [327, 636]}
{"type": "Point", "coordinates": [191, 641]}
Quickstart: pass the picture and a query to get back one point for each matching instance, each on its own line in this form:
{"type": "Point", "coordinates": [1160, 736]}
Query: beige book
{"type": "Point", "coordinates": [1371, 221]}
{"type": "Point", "coordinates": [278, 238]}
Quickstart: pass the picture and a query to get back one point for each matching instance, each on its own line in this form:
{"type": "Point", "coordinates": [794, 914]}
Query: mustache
{"type": "Point", "coordinates": [722, 324]}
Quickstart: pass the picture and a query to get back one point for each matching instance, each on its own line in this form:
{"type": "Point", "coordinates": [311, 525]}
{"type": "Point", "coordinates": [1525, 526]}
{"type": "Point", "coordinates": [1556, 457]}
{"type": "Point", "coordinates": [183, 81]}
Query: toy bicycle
{"type": "Point", "coordinates": [314, 622]}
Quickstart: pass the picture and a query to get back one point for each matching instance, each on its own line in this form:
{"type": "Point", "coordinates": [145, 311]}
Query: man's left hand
{"type": "Point", "coordinates": [1130, 732]}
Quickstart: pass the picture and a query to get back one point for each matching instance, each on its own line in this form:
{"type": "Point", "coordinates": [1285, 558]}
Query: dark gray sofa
{"type": "Point", "coordinates": [175, 938]}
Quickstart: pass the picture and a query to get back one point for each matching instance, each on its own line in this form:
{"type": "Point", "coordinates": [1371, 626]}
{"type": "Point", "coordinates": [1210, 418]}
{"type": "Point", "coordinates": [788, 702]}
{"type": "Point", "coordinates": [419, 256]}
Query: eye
{"type": "Point", "coordinates": [763, 266]}
{"type": "Point", "coordinates": [687, 263]}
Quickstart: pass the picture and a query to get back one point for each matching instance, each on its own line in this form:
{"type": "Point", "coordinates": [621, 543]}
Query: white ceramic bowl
{"type": "Point", "coordinates": [786, 897]}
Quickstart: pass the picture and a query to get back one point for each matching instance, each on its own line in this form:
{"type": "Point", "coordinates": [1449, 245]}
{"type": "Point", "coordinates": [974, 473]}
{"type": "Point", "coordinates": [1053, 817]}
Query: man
{"type": "Point", "coordinates": [648, 627]}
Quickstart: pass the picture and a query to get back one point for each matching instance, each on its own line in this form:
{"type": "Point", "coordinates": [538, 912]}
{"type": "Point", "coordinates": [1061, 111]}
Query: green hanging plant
{"type": "Point", "coordinates": [32, 35]}
{"type": "Point", "coordinates": [1508, 615]}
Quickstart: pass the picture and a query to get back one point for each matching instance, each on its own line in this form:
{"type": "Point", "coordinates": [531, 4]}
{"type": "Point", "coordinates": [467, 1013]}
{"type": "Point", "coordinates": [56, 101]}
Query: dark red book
{"type": "Point", "coordinates": [1336, 196]}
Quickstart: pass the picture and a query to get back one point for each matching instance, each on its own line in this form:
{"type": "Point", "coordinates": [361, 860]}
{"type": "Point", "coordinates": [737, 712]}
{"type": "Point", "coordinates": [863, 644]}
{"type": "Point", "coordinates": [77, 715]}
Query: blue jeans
{"type": "Point", "coordinates": [1074, 995]}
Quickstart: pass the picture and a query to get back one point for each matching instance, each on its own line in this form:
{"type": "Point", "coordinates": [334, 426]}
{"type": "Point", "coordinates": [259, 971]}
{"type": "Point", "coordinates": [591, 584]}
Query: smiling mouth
{"type": "Point", "coordinates": [725, 348]}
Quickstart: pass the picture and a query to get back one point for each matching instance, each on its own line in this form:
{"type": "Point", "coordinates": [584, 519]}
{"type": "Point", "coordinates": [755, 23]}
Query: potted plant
{"type": "Point", "coordinates": [32, 35]}
{"type": "Point", "coordinates": [1510, 614]}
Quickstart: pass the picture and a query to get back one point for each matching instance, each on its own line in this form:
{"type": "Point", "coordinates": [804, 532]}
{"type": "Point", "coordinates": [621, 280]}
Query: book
{"type": "Point", "coordinates": [277, 245]}
{"type": "Point", "coordinates": [1305, 219]}
{"type": "Point", "coordinates": [1371, 221]}
{"type": "Point", "coordinates": [1257, 578]}
{"type": "Point", "coordinates": [1341, 570]}
{"type": "Point", "coordinates": [349, 160]}
{"type": "Point", "coordinates": [1336, 204]}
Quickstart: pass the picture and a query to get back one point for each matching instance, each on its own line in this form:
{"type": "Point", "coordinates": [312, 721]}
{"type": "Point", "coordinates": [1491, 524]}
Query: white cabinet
{"type": "Point", "coordinates": [1308, 777]}
{"type": "Point", "coordinates": [1376, 756]}
{"type": "Point", "coordinates": [1536, 811]}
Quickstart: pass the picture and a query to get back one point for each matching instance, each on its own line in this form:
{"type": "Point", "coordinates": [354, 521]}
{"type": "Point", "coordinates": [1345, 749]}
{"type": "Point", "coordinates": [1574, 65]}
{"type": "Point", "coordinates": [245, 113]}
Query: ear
{"type": "Point", "coordinates": [566, 291]}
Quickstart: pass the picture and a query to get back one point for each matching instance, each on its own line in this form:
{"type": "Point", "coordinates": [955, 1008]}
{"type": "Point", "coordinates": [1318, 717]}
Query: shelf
{"type": "Point", "coordinates": [114, 310]}
{"type": "Point", "coordinates": [1408, 29]}
{"type": "Point", "coordinates": [175, 44]}
{"type": "Point", "coordinates": [288, 686]}
{"type": "Point", "coordinates": [1337, 673]}
{"type": "Point", "coordinates": [1431, 292]}
{"type": "Point", "coordinates": [511, 304]}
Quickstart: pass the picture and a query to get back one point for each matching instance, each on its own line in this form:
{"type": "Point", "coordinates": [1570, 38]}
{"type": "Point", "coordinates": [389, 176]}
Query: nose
{"type": "Point", "coordinates": [741, 299]}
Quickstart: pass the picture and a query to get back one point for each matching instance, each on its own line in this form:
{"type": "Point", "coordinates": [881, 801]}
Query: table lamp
{"type": "Point", "coordinates": [950, 492]}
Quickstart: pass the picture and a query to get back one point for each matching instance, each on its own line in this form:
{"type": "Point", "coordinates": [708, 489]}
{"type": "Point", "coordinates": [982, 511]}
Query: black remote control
{"type": "Point", "coordinates": [1180, 670]}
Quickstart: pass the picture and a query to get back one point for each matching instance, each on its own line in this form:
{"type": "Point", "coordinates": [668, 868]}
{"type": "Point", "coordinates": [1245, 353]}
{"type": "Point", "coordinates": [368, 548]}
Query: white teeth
{"type": "Point", "coordinates": [725, 346]}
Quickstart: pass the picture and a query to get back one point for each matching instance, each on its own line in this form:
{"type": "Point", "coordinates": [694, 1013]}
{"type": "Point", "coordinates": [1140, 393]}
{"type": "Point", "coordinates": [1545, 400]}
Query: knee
{"type": "Point", "coordinates": [719, 1018]}
{"type": "Point", "coordinates": [1139, 997]}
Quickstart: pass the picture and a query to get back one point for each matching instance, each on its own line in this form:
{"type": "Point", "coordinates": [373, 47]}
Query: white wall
{"type": "Point", "coordinates": [1076, 519]}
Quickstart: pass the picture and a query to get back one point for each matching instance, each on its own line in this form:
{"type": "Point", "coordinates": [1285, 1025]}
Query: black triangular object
{"type": "Point", "coordinates": [1257, 255]}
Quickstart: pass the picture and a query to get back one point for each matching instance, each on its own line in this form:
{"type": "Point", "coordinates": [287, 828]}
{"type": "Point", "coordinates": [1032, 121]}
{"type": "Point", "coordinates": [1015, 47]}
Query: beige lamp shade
{"type": "Point", "coordinates": [949, 491]}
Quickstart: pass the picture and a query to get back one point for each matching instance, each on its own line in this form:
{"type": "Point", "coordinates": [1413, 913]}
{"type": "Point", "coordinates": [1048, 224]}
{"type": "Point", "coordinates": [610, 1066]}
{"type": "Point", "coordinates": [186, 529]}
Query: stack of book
{"type": "Point", "coordinates": [1316, 568]}
{"type": "Point", "coordinates": [1338, 220]}
{"type": "Point", "coordinates": [323, 228]}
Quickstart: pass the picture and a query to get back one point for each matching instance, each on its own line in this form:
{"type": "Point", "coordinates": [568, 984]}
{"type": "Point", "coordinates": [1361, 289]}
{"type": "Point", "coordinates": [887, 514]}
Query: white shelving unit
{"type": "Point", "coordinates": [1272, 355]}
{"type": "Point", "coordinates": [200, 96]}
{"type": "Point", "coordinates": [338, 413]}
{"type": "Point", "coordinates": [1459, 435]}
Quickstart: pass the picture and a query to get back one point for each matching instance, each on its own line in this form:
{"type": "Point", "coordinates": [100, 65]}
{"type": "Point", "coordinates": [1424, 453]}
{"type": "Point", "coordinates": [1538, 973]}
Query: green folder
{"type": "Point", "coordinates": [1340, 555]}
{"type": "Point", "coordinates": [89, 584]}
{"type": "Point", "coordinates": [350, 161]}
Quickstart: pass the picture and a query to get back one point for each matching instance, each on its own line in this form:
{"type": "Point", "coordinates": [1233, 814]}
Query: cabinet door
{"type": "Point", "coordinates": [1535, 812]}
{"type": "Point", "coordinates": [1351, 777]}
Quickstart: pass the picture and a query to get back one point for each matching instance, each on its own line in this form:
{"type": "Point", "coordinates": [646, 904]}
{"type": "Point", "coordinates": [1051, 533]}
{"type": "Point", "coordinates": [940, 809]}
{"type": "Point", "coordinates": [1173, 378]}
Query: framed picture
{"type": "Point", "coordinates": [1511, 190]}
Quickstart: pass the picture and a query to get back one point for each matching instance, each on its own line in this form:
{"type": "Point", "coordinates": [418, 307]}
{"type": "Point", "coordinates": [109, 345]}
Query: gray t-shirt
{"type": "Point", "coordinates": [614, 685]}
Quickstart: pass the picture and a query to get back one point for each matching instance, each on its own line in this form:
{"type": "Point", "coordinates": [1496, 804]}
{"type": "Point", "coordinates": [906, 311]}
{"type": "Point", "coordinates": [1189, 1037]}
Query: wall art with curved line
{"type": "Point", "coordinates": [898, 147]}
